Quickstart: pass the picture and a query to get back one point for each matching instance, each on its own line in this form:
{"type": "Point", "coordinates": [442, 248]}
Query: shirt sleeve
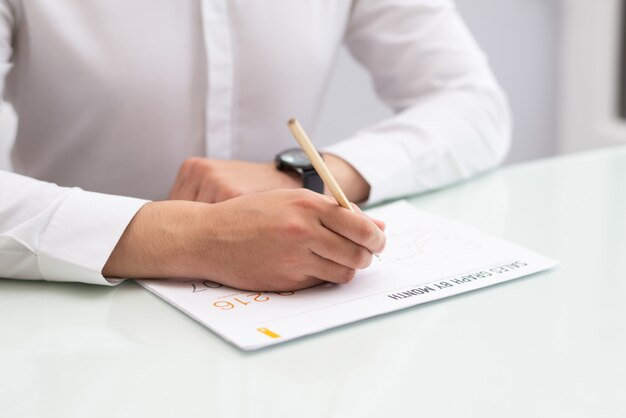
{"type": "Point", "coordinates": [51, 232]}
{"type": "Point", "coordinates": [451, 118]}
{"type": "Point", "coordinates": [55, 233]}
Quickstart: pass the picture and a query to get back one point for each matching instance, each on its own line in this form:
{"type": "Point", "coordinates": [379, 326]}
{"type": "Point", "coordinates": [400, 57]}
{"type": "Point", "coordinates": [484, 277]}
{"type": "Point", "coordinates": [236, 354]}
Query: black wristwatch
{"type": "Point", "coordinates": [296, 160]}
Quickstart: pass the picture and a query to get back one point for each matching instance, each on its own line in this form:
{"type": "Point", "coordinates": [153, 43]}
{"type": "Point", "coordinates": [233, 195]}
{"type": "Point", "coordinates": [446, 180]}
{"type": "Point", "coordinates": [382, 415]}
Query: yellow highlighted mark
{"type": "Point", "coordinates": [267, 332]}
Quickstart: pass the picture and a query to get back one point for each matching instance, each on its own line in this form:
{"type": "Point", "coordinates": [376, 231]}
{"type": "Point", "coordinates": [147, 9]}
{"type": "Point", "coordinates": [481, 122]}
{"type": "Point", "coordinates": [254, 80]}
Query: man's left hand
{"type": "Point", "coordinates": [212, 181]}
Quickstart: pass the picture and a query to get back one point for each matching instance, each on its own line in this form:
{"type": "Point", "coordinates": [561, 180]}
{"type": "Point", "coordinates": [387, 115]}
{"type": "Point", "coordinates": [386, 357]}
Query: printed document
{"type": "Point", "coordinates": [427, 258]}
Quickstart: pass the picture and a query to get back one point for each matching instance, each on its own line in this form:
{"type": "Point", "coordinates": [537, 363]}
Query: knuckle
{"type": "Point", "coordinates": [383, 243]}
{"type": "Point", "coordinates": [305, 200]}
{"type": "Point", "coordinates": [207, 185]}
{"type": "Point", "coordinates": [184, 168]}
{"type": "Point", "coordinates": [295, 229]}
{"type": "Point", "coordinates": [348, 275]}
{"type": "Point", "coordinates": [368, 260]}
{"type": "Point", "coordinates": [230, 192]}
{"type": "Point", "coordinates": [345, 275]}
{"type": "Point", "coordinates": [364, 231]}
{"type": "Point", "coordinates": [303, 193]}
{"type": "Point", "coordinates": [201, 166]}
{"type": "Point", "coordinates": [360, 257]}
{"type": "Point", "coordinates": [356, 208]}
{"type": "Point", "coordinates": [207, 182]}
{"type": "Point", "coordinates": [187, 163]}
{"type": "Point", "coordinates": [191, 162]}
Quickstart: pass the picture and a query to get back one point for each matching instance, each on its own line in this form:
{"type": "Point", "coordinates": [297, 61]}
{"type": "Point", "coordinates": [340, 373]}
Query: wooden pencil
{"type": "Point", "coordinates": [318, 163]}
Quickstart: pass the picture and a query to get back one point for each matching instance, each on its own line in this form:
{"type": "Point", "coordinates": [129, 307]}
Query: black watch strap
{"type": "Point", "coordinates": [312, 181]}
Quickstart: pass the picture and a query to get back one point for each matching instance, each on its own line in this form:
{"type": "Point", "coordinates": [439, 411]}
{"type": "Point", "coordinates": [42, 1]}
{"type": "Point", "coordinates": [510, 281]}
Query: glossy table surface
{"type": "Point", "coordinates": [550, 345]}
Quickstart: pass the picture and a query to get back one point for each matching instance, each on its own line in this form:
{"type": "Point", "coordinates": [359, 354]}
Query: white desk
{"type": "Point", "coordinates": [551, 345]}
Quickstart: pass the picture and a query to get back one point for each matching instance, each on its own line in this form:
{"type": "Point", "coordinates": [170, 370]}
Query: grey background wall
{"type": "Point", "coordinates": [521, 40]}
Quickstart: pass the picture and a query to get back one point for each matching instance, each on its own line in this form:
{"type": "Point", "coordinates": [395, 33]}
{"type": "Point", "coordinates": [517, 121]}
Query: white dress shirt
{"type": "Point", "coordinates": [113, 96]}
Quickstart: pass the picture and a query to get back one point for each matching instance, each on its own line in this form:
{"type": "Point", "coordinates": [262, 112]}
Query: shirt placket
{"type": "Point", "coordinates": [220, 74]}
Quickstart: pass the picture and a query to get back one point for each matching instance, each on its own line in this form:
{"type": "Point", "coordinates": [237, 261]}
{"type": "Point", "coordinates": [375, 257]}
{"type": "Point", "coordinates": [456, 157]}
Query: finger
{"type": "Point", "coordinates": [354, 226]}
{"type": "Point", "coordinates": [187, 191]}
{"type": "Point", "coordinates": [275, 283]}
{"type": "Point", "coordinates": [341, 250]}
{"type": "Point", "coordinates": [184, 187]}
{"type": "Point", "coordinates": [329, 271]}
{"type": "Point", "coordinates": [206, 195]}
{"type": "Point", "coordinates": [174, 192]}
{"type": "Point", "coordinates": [292, 285]}
{"type": "Point", "coordinates": [215, 190]}
{"type": "Point", "coordinates": [226, 193]}
{"type": "Point", "coordinates": [310, 282]}
{"type": "Point", "coordinates": [356, 207]}
{"type": "Point", "coordinates": [380, 224]}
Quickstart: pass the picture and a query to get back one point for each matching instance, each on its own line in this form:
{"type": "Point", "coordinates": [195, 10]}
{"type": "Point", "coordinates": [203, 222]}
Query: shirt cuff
{"type": "Point", "coordinates": [391, 168]}
{"type": "Point", "coordinates": [82, 234]}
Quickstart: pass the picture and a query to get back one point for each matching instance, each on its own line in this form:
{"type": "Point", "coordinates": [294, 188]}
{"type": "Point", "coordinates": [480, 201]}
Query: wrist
{"type": "Point", "coordinates": [295, 161]}
{"type": "Point", "coordinates": [157, 242]}
{"type": "Point", "coordinates": [353, 184]}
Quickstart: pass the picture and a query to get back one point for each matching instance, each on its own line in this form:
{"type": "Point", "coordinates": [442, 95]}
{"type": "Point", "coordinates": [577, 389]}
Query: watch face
{"type": "Point", "coordinates": [295, 158]}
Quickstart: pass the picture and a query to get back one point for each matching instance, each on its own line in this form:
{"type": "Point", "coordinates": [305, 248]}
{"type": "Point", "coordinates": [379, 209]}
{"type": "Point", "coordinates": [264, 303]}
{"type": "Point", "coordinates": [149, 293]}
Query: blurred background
{"type": "Point", "coordinates": [560, 62]}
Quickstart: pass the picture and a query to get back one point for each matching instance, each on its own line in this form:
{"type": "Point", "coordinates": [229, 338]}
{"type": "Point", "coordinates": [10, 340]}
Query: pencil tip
{"type": "Point", "coordinates": [291, 121]}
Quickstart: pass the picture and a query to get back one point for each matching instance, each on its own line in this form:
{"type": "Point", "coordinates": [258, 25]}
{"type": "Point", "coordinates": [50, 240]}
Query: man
{"type": "Point", "coordinates": [115, 97]}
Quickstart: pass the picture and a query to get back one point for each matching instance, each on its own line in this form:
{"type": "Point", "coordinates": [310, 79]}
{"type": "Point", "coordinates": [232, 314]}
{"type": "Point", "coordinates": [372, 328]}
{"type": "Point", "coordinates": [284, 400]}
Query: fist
{"type": "Point", "coordinates": [213, 181]}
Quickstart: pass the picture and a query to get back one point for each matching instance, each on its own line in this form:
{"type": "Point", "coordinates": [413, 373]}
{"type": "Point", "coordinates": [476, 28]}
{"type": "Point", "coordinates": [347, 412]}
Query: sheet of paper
{"type": "Point", "coordinates": [427, 258]}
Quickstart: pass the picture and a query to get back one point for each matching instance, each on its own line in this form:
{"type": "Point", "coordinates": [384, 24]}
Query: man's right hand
{"type": "Point", "coordinates": [271, 241]}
